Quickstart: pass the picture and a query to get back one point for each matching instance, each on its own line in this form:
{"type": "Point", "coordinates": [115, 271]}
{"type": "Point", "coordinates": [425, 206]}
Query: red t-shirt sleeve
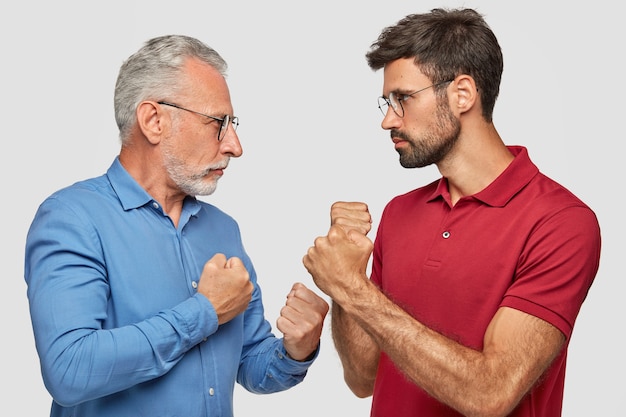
{"type": "Point", "coordinates": [557, 268]}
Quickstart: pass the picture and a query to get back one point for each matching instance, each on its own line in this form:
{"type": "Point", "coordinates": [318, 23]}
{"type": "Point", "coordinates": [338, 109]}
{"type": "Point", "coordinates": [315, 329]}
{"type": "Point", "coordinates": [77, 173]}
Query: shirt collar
{"type": "Point", "coordinates": [497, 194]}
{"type": "Point", "coordinates": [132, 195]}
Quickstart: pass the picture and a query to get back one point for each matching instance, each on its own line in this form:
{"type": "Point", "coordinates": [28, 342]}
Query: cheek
{"type": "Point", "coordinates": [202, 154]}
{"type": "Point", "coordinates": [195, 145]}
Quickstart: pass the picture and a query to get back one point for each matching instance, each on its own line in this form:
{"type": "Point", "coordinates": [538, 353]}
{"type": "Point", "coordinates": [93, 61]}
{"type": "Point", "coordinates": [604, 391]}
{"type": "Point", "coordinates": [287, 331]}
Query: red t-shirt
{"type": "Point", "coordinates": [523, 242]}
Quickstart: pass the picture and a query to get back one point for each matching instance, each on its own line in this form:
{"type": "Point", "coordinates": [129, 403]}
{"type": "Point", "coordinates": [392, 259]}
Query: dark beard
{"type": "Point", "coordinates": [434, 146]}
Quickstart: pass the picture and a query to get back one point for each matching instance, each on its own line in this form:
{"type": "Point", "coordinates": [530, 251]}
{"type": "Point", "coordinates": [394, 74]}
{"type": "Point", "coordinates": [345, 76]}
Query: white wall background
{"type": "Point", "coordinates": [311, 135]}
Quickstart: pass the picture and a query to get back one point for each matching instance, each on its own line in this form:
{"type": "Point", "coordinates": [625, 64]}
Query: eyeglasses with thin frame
{"type": "Point", "coordinates": [395, 100]}
{"type": "Point", "coordinates": [224, 121]}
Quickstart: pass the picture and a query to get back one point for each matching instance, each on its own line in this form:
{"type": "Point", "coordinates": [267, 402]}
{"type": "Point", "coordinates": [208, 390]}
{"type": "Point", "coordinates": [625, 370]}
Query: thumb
{"type": "Point", "coordinates": [359, 239]}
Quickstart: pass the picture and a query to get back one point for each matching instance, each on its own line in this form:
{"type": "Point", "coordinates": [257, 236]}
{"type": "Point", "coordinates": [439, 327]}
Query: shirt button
{"type": "Point", "coordinates": [194, 284]}
{"type": "Point", "coordinates": [155, 204]}
{"type": "Point", "coordinates": [445, 235]}
{"type": "Point", "coordinates": [211, 391]}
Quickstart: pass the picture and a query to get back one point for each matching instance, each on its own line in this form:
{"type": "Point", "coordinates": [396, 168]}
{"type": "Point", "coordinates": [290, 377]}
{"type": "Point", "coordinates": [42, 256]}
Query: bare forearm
{"type": "Point", "coordinates": [357, 351]}
{"type": "Point", "coordinates": [443, 369]}
{"type": "Point", "coordinates": [474, 382]}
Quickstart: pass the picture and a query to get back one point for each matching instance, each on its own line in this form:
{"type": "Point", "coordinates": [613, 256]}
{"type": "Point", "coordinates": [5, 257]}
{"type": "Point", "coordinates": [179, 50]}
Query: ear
{"type": "Point", "coordinates": [466, 93]}
{"type": "Point", "coordinates": [151, 121]}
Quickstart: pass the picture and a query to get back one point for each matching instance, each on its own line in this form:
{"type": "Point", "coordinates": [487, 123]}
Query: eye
{"type": "Point", "coordinates": [401, 97]}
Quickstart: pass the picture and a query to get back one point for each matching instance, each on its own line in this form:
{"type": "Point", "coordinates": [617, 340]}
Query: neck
{"type": "Point", "coordinates": [475, 162]}
{"type": "Point", "coordinates": [146, 168]}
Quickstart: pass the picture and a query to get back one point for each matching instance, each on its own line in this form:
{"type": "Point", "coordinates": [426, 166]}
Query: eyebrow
{"type": "Point", "coordinates": [401, 91]}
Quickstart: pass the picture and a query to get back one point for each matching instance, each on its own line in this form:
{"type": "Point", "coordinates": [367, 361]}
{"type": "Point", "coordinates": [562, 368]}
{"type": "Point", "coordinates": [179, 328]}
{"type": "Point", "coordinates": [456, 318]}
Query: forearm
{"type": "Point", "coordinates": [85, 363]}
{"type": "Point", "coordinates": [357, 351]}
{"type": "Point", "coordinates": [488, 382]}
{"type": "Point", "coordinates": [268, 368]}
{"type": "Point", "coordinates": [444, 369]}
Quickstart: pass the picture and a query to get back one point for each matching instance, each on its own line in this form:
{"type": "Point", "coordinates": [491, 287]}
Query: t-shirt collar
{"type": "Point", "coordinates": [497, 194]}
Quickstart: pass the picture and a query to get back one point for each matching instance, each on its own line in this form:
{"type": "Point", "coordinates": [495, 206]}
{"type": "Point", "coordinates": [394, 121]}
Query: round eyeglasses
{"type": "Point", "coordinates": [395, 100]}
{"type": "Point", "coordinates": [224, 121]}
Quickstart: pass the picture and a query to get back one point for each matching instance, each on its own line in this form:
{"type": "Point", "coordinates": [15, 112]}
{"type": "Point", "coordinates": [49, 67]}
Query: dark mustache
{"type": "Point", "coordinates": [398, 134]}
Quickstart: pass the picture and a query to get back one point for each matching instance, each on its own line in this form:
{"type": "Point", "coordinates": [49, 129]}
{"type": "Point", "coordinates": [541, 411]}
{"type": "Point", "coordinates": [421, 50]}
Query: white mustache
{"type": "Point", "coordinates": [221, 165]}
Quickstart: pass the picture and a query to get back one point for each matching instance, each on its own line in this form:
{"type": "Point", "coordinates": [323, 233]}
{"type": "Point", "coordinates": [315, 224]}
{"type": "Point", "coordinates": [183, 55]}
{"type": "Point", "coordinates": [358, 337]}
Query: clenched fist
{"type": "Point", "coordinates": [226, 283]}
{"type": "Point", "coordinates": [301, 321]}
{"type": "Point", "coordinates": [338, 261]}
{"type": "Point", "coordinates": [351, 216]}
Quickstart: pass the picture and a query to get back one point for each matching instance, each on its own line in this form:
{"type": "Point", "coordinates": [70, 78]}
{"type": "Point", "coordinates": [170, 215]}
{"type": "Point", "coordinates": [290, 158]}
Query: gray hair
{"type": "Point", "coordinates": [153, 72]}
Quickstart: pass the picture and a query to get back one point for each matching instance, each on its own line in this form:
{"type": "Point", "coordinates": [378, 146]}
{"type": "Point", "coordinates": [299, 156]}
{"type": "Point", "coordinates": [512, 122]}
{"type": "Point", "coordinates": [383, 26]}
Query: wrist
{"type": "Point", "coordinates": [308, 358]}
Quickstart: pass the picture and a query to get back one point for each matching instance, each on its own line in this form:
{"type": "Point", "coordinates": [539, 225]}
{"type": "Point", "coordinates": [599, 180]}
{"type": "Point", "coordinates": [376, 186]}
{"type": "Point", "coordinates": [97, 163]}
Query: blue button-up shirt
{"type": "Point", "coordinates": [119, 326]}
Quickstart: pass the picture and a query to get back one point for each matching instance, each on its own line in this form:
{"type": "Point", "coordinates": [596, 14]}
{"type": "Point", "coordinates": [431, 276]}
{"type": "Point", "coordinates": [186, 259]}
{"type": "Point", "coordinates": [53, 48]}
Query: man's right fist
{"type": "Point", "coordinates": [226, 283]}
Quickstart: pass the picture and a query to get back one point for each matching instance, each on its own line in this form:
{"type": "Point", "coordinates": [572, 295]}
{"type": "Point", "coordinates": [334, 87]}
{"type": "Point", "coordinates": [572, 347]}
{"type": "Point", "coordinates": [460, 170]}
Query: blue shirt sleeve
{"type": "Point", "coordinates": [69, 298]}
{"type": "Point", "coordinates": [265, 366]}
{"type": "Point", "coordinates": [118, 323]}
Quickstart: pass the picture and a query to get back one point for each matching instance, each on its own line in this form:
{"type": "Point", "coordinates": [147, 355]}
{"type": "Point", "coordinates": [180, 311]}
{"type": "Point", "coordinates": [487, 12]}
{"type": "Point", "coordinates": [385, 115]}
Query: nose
{"type": "Point", "coordinates": [391, 120]}
{"type": "Point", "coordinates": [230, 144]}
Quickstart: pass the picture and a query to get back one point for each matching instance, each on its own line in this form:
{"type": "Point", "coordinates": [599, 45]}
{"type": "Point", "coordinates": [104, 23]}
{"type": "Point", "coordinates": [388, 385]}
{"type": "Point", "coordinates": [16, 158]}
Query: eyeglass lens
{"type": "Point", "coordinates": [384, 103]}
{"type": "Point", "coordinates": [234, 121]}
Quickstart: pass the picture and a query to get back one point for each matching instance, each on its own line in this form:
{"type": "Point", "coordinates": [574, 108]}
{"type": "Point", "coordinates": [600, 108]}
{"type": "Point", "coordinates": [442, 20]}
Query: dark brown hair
{"type": "Point", "coordinates": [445, 43]}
